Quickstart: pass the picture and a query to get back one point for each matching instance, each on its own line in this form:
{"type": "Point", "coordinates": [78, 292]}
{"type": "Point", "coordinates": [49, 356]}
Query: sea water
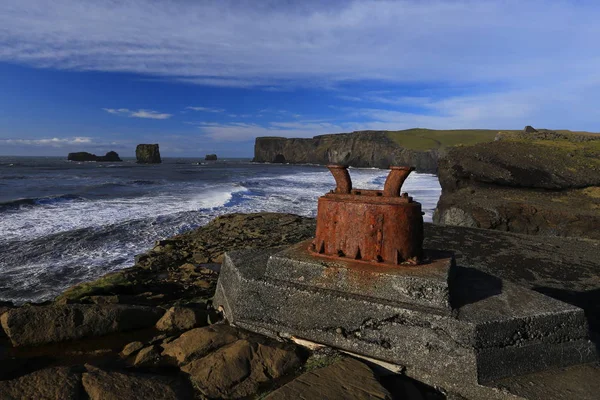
{"type": "Point", "coordinates": [65, 222]}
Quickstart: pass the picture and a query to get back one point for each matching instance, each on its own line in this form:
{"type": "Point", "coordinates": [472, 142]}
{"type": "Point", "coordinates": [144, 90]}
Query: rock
{"type": "Point", "coordinates": [238, 370]}
{"type": "Point", "coordinates": [147, 154]}
{"type": "Point", "coordinates": [110, 385]}
{"type": "Point", "coordinates": [546, 183]}
{"type": "Point", "coordinates": [357, 149]}
{"type": "Point", "coordinates": [148, 357]}
{"type": "Point", "coordinates": [210, 157]}
{"type": "Point", "coordinates": [530, 129]}
{"type": "Point", "coordinates": [345, 380]}
{"type": "Point", "coordinates": [35, 325]}
{"type": "Point", "coordinates": [111, 156]}
{"type": "Point", "coordinates": [199, 342]}
{"type": "Point", "coordinates": [181, 319]}
{"type": "Point", "coordinates": [131, 348]}
{"type": "Point", "coordinates": [57, 383]}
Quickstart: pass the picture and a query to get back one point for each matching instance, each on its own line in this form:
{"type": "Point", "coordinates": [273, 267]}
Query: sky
{"type": "Point", "coordinates": [203, 77]}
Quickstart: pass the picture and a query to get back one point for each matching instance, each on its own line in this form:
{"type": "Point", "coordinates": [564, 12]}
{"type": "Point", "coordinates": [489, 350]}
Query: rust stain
{"type": "Point", "coordinates": [369, 226]}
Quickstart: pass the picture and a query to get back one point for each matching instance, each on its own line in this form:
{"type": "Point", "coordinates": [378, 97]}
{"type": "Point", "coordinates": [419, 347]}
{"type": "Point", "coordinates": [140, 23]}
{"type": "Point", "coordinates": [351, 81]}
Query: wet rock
{"type": "Point", "coordinates": [182, 319]}
{"type": "Point", "coordinates": [238, 370]}
{"type": "Point", "coordinates": [148, 357]}
{"type": "Point", "coordinates": [210, 157]}
{"type": "Point", "coordinates": [110, 385]}
{"type": "Point", "coordinates": [56, 323]}
{"type": "Point", "coordinates": [147, 154]}
{"type": "Point", "coordinates": [59, 383]}
{"type": "Point", "coordinates": [347, 379]}
{"type": "Point", "coordinates": [199, 342]}
{"type": "Point", "coordinates": [131, 348]}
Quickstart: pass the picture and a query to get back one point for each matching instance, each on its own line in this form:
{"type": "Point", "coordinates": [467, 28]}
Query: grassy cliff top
{"type": "Point", "coordinates": [427, 139]}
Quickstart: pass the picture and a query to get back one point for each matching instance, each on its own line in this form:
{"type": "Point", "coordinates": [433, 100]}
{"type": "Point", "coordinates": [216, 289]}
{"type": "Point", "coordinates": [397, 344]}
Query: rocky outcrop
{"type": "Point", "coordinates": [534, 182]}
{"type": "Point", "coordinates": [111, 156]}
{"type": "Point", "coordinates": [210, 157]}
{"type": "Point", "coordinates": [50, 383]}
{"type": "Point", "coordinates": [357, 149]}
{"type": "Point", "coordinates": [147, 154]}
{"type": "Point", "coordinates": [26, 326]}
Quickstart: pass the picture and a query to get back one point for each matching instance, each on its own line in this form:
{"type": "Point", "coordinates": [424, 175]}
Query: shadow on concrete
{"type": "Point", "coordinates": [471, 285]}
{"type": "Point", "coordinates": [588, 300]}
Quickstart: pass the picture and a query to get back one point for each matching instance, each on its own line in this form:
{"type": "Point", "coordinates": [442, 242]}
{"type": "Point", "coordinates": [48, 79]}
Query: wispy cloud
{"type": "Point", "coordinates": [206, 109]}
{"type": "Point", "coordinates": [53, 142]}
{"type": "Point", "coordinates": [148, 114]}
{"type": "Point", "coordinates": [224, 43]}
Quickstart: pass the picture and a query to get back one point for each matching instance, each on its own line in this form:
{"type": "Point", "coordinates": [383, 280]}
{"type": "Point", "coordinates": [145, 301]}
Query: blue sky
{"type": "Point", "coordinates": [200, 77]}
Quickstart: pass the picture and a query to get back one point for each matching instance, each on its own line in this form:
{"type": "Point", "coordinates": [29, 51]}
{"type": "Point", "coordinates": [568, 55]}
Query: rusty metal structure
{"type": "Point", "coordinates": [372, 226]}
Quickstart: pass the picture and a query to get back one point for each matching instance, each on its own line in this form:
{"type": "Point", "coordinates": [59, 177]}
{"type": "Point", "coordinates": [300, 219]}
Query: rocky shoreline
{"type": "Point", "coordinates": [150, 331]}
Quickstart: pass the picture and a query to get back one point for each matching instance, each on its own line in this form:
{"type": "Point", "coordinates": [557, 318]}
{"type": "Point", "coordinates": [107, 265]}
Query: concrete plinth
{"type": "Point", "coordinates": [446, 325]}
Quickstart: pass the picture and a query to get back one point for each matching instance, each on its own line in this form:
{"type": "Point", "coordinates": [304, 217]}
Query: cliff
{"type": "Point", "coordinates": [542, 183]}
{"type": "Point", "coordinates": [147, 154]}
{"type": "Point", "coordinates": [380, 149]}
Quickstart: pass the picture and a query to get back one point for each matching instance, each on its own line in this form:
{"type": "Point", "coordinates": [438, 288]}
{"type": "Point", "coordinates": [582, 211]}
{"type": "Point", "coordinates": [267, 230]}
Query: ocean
{"type": "Point", "coordinates": [63, 222]}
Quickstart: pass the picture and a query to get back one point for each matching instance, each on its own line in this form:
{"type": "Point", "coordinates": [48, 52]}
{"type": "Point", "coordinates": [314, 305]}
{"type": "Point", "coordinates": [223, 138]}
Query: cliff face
{"type": "Point", "coordinates": [541, 183]}
{"type": "Point", "coordinates": [357, 149]}
{"type": "Point", "coordinates": [147, 154]}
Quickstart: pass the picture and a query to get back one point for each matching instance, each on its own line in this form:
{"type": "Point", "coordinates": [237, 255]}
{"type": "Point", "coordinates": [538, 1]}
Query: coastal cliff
{"type": "Point", "coordinates": [378, 149]}
{"type": "Point", "coordinates": [539, 183]}
{"type": "Point", "coordinates": [357, 149]}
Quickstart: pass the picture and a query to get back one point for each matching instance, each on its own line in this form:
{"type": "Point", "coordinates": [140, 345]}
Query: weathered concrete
{"type": "Point", "coordinates": [426, 285]}
{"type": "Point", "coordinates": [498, 329]}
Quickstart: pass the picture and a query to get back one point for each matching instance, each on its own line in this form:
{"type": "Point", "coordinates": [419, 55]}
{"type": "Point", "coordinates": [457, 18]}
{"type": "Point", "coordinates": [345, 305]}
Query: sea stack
{"type": "Point", "coordinates": [111, 156]}
{"type": "Point", "coordinates": [147, 154]}
{"type": "Point", "coordinates": [210, 157]}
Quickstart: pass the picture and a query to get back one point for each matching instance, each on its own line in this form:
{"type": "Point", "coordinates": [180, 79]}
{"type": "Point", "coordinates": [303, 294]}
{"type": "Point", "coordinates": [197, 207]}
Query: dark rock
{"type": "Point", "coordinates": [199, 342]}
{"type": "Point", "coordinates": [182, 319]}
{"type": "Point", "coordinates": [345, 379]}
{"type": "Point", "coordinates": [211, 157]}
{"type": "Point", "coordinates": [147, 154]}
{"type": "Point", "coordinates": [58, 383]}
{"type": "Point", "coordinates": [56, 323]}
{"type": "Point", "coordinates": [107, 385]}
{"type": "Point", "coordinates": [148, 357]}
{"type": "Point", "coordinates": [530, 129]}
{"type": "Point", "coordinates": [111, 156]}
{"type": "Point", "coordinates": [542, 185]}
{"type": "Point", "coordinates": [239, 369]}
{"type": "Point", "coordinates": [357, 149]}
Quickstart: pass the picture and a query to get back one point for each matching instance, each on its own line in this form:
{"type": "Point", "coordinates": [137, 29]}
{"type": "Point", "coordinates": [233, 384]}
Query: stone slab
{"type": "Point", "coordinates": [426, 284]}
{"type": "Point", "coordinates": [435, 347]}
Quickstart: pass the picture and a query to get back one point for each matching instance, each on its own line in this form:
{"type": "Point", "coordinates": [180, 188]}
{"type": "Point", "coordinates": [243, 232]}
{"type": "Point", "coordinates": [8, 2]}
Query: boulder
{"type": "Point", "coordinates": [147, 154]}
{"type": "Point", "coordinates": [182, 319]}
{"type": "Point", "coordinates": [131, 348]}
{"type": "Point", "coordinates": [239, 369]}
{"type": "Point", "coordinates": [347, 379]}
{"type": "Point", "coordinates": [111, 156]}
{"type": "Point", "coordinates": [26, 326]}
{"type": "Point", "coordinates": [109, 385]}
{"type": "Point", "coordinates": [546, 183]}
{"type": "Point", "coordinates": [529, 129]}
{"type": "Point", "coordinates": [199, 342]}
{"type": "Point", "coordinates": [148, 357]}
{"type": "Point", "coordinates": [57, 383]}
{"type": "Point", "coordinates": [210, 157]}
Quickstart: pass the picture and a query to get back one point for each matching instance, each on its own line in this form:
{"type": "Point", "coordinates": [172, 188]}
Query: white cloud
{"type": "Point", "coordinates": [148, 114]}
{"type": "Point", "coordinates": [227, 43]}
{"type": "Point", "coordinates": [53, 142]}
{"type": "Point", "coordinates": [206, 109]}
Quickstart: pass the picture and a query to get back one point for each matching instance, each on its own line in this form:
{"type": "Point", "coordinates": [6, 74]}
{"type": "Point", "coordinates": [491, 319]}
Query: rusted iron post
{"type": "Point", "coordinates": [370, 226]}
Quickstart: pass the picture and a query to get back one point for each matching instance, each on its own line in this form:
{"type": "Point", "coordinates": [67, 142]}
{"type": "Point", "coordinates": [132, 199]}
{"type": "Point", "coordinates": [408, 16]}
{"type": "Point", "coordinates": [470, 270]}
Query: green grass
{"type": "Point", "coordinates": [427, 139]}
